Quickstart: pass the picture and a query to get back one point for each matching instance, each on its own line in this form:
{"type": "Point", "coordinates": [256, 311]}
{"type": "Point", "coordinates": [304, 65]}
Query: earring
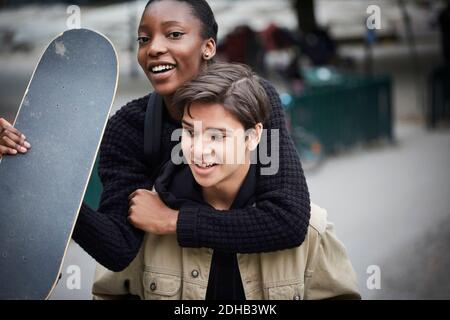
{"type": "Point", "coordinates": [206, 55]}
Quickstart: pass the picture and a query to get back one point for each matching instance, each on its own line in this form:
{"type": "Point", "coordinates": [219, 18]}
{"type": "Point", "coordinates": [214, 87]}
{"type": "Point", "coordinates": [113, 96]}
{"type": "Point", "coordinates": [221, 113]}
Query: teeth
{"type": "Point", "coordinates": [204, 165]}
{"type": "Point", "coordinates": [162, 68]}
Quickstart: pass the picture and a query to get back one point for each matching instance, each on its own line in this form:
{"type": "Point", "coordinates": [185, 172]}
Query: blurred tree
{"type": "Point", "coordinates": [306, 16]}
{"type": "Point", "coordinates": [315, 42]}
{"type": "Point", "coordinates": [444, 24]}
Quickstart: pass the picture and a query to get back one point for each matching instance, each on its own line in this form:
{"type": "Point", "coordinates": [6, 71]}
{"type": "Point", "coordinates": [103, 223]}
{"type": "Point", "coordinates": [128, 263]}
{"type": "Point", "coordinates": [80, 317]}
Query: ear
{"type": "Point", "coordinates": [209, 49]}
{"type": "Point", "coordinates": [253, 136]}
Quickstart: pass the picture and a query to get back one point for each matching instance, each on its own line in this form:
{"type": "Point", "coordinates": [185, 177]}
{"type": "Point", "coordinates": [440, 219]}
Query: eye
{"type": "Point", "coordinates": [217, 137]}
{"type": "Point", "coordinates": [188, 132]}
{"type": "Point", "coordinates": [142, 40]}
{"type": "Point", "coordinates": [176, 35]}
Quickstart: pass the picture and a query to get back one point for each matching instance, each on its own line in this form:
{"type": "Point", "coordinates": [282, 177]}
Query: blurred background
{"type": "Point", "coordinates": [366, 90]}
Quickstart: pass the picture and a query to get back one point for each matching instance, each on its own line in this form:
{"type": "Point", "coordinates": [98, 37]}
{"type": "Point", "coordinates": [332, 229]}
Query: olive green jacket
{"type": "Point", "coordinates": [317, 269]}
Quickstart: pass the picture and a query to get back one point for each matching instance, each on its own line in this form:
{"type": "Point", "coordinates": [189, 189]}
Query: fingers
{"type": "Point", "coordinates": [13, 130]}
{"type": "Point", "coordinates": [129, 217]}
{"type": "Point", "coordinates": [131, 196]}
{"type": "Point", "coordinates": [5, 125]}
{"type": "Point", "coordinates": [20, 140]}
{"type": "Point", "coordinates": [13, 142]}
{"type": "Point", "coordinates": [11, 139]}
{"type": "Point", "coordinates": [139, 192]}
{"type": "Point", "coordinates": [5, 150]}
{"type": "Point", "coordinates": [133, 217]}
{"type": "Point", "coordinates": [135, 201]}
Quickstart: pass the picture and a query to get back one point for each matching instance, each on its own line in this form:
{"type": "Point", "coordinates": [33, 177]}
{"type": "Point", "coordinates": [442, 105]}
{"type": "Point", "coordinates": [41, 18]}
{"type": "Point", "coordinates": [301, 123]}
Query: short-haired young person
{"type": "Point", "coordinates": [223, 110]}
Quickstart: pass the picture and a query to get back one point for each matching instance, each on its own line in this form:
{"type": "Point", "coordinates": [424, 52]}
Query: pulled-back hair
{"type": "Point", "coordinates": [202, 11]}
{"type": "Point", "coordinates": [232, 85]}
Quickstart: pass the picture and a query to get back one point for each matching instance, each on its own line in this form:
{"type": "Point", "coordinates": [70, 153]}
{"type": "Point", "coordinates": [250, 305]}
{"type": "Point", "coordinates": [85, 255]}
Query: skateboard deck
{"type": "Point", "coordinates": [63, 114]}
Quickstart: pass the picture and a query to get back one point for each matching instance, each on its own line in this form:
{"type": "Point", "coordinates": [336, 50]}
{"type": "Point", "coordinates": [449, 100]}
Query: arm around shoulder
{"type": "Point", "coordinates": [105, 233]}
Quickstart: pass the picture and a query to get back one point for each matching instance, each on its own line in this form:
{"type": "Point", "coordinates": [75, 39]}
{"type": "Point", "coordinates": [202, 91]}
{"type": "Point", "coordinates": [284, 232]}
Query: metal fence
{"type": "Point", "coordinates": [350, 110]}
{"type": "Point", "coordinates": [439, 106]}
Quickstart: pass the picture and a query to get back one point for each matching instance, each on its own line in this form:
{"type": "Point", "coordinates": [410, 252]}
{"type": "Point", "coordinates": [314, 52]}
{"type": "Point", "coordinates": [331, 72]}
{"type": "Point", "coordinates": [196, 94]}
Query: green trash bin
{"type": "Point", "coordinates": [343, 110]}
{"type": "Point", "coordinates": [94, 189]}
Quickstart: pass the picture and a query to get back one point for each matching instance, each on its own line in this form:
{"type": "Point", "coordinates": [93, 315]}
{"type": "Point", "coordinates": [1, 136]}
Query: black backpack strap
{"type": "Point", "coordinates": [152, 130]}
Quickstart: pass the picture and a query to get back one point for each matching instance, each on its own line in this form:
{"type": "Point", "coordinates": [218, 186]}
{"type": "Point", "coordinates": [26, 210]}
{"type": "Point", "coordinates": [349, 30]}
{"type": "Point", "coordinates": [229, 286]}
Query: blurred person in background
{"type": "Point", "coordinates": [444, 24]}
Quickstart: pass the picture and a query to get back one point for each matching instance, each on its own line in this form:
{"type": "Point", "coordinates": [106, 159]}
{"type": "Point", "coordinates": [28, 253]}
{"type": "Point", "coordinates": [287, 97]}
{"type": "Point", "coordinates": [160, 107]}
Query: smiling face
{"type": "Point", "coordinates": [215, 146]}
{"type": "Point", "coordinates": [171, 48]}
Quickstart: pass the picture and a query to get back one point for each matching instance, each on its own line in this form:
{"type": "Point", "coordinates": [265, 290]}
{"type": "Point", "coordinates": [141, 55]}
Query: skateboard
{"type": "Point", "coordinates": [63, 114]}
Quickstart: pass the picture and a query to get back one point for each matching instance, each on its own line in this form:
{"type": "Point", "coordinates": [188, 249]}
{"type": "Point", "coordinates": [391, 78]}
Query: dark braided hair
{"type": "Point", "coordinates": [202, 11]}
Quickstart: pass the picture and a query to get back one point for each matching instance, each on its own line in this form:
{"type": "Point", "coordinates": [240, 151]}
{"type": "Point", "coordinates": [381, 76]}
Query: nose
{"type": "Point", "coordinates": [201, 150]}
{"type": "Point", "coordinates": [156, 47]}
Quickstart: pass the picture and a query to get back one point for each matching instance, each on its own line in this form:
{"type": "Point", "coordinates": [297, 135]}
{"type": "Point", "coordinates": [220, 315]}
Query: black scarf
{"type": "Point", "coordinates": [176, 187]}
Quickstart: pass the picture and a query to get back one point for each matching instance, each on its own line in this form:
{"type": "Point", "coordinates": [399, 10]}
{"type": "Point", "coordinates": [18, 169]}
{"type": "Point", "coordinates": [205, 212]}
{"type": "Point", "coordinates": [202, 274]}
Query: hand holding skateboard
{"type": "Point", "coordinates": [12, 140]}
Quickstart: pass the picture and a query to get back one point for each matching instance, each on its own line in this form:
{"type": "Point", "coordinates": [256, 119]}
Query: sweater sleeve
{"type": "Point", "coordinates": [280, 218]}
{"type": "Point", "coordinates": [106, 234]}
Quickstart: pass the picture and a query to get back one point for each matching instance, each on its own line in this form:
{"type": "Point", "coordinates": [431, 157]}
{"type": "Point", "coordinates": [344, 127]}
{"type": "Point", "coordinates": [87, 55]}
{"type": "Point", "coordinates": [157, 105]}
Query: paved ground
{"type": "Point", "coordinates": [391, 207]}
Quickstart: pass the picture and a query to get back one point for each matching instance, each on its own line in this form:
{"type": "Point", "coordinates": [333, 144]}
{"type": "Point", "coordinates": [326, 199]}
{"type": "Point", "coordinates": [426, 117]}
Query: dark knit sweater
{"type": "Point", "coordinates": [279, 221]}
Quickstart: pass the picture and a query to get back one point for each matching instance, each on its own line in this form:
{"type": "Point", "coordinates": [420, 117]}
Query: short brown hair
{"type": "Point", "coordinates": [233, 85]}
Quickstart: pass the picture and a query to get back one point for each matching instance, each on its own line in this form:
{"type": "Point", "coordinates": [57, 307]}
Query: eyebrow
{"type": "Point", "coordinates": [220, 129]}
{"type": "Point", "coordinates": [142, 27]}
{"type": "Point", "coordinates": [171, 22]}
{"type": "Point", "coordinates": [187, 123]}
{"type": "Point", "coordinates": [224, 130]}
